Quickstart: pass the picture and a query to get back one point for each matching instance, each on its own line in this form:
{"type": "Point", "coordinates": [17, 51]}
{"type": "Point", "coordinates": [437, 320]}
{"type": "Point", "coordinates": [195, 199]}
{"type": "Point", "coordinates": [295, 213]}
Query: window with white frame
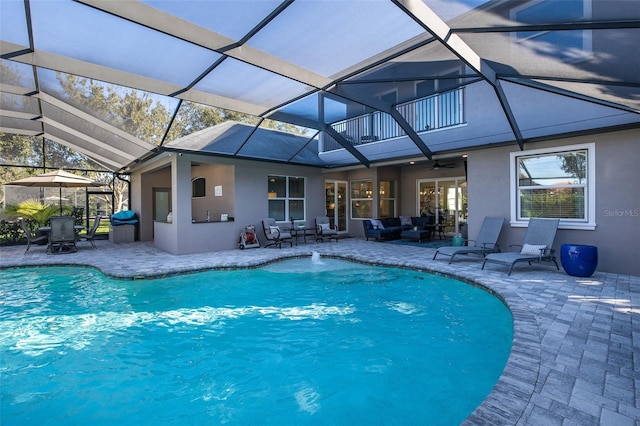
{"type": "Point", "coordinates": [286, 197]}
{"type": "Point", "coordinates": [554, 183]}
{"type": "Point", "coordinates": [361, 199]}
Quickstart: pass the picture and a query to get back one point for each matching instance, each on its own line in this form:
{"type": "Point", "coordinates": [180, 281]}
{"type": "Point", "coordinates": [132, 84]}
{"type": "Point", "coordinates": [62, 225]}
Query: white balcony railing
{"type": "Point", "coordinates": [425, 114]}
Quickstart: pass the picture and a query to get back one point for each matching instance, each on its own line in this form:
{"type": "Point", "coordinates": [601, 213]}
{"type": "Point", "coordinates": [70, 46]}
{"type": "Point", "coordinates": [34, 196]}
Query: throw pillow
{"type": "Point", "coordinates": [377, 224]}
{"type": "Point", "coordinates": [405, 221]}
{"type": "Point", "coordinates": [274, 229]}
{"type": "Point", "coordinates": [532, 249]}
{"type": "Point", "coordinates": [325, 226]}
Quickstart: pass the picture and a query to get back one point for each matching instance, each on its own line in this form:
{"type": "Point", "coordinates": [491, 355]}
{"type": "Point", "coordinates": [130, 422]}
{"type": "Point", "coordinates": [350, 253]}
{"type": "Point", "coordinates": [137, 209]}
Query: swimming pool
{"type": "Point", "coordinates": [295, 342]}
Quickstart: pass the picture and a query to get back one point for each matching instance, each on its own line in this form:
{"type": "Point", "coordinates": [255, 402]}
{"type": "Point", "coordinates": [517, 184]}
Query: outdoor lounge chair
{"type": "Point", "coordinates": [485, 243]}
{"type": "Point", "coordinates": [31, 237]}
{"type": "Point", "coordinates": [92, 232]}
{"type": "Point", "coordinates": [536, 246]}
{"type": "Point", "coordinates": [62, 237]}
{"type": "Point", "coordinates": [324, 229]}
{"type": "Point", "coordinates": [274, 235]}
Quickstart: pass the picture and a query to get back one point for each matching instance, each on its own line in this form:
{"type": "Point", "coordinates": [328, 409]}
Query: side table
{"type": "Point", "coordinates": [297, 232]}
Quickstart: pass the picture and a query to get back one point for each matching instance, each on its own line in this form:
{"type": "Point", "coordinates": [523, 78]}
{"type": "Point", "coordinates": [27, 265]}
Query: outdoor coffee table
{"type": "Point", "coordinates": [418, 234]}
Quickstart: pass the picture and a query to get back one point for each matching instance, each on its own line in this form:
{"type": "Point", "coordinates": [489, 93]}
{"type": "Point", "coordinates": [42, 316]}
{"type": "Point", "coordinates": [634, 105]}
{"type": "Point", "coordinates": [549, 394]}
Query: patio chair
{"type": "Point", "coordinates": [536, 246]}
{"type": "Point", "coordinates": [324, 229]}
{"type": "Point", "coordinates": [274, 235]}
{"type": "Point", "coordinates": [62, 237]}
{"type": "Point", "coordinates": [485, 243]}
{"type": "Point", "coordinates": [31, 237]}
{"type": "Point", "coordinates": [92, 232]}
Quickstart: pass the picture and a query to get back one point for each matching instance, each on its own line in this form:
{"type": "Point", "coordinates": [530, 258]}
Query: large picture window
{"type": "Point", "coordinates": [361, 199]}
{"type": "Point", "coordinates": [286, 197]}
{"type": "Point", "coordinates": [558, 183]}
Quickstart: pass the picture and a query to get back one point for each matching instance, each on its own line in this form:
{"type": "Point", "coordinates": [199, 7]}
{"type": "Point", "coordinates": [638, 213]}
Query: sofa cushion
{"type": "Point", "coordinates": [423, 221]}
{"type": "Point", "coordinates": [376, 224]}
{"type": "Point", "coordinates": [405, 221]}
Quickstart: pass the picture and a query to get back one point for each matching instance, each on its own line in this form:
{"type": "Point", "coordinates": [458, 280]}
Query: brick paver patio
{"type": "Point", "coordinates": [575, 358]}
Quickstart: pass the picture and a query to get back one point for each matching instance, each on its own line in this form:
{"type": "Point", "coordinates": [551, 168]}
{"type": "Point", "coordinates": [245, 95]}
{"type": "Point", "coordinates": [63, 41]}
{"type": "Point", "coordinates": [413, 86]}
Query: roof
{"type": "Point", "coordinates": [243, 140]}
{"type": "Point", "coordinates": [528, 70]}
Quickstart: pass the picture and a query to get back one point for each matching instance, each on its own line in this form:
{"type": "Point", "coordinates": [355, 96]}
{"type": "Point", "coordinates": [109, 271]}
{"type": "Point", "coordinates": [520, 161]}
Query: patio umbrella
{"type": "Point", "coordinates": [58, 179]}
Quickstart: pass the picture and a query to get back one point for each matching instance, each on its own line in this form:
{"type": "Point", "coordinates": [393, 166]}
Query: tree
{"type": "Point", "coordinates": [193, 117]}
{"type": "Point", "coordinates": [575, 164]}
{"type": "Point", "coordinates": [140, 114]}
{"type": "Point", "coordinates": [18, 150]}
{"type": "Point", "coordinates": [135, 112]}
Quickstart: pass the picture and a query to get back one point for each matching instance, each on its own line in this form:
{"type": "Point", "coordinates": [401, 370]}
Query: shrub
{"type": "Point", "coordinates": [36, 211]}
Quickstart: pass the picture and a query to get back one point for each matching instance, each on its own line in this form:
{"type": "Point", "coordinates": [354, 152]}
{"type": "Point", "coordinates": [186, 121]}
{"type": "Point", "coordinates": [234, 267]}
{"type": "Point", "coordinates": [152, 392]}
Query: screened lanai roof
{"type": "Point", "coordinates": [507, 71]}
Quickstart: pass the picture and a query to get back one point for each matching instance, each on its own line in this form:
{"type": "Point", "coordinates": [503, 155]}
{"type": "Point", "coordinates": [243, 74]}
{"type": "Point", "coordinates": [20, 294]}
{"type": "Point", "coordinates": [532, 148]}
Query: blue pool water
{"type": "Point", "coordinates": [293, 343]}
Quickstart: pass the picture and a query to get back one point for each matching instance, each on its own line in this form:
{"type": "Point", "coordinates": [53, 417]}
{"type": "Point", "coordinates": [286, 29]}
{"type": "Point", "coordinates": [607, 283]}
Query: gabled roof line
{"type": "Point", "coordinates": [253, 131]}
{"type": "Point", "coordinates": [304, 146]}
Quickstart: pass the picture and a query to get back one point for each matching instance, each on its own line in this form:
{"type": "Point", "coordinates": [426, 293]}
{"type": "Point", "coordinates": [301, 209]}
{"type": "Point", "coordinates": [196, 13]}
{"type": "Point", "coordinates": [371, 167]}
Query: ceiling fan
{"type": "Point", "coordinates": [438, 166]}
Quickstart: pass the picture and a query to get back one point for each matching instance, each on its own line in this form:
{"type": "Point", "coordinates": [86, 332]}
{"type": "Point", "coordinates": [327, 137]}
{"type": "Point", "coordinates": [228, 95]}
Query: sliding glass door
{"type": "Point", "coordinates": [446, 199]}
{"type": "Point", "coordinates": [336, 204]}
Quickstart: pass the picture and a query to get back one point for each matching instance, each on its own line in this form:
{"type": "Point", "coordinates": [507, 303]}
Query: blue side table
{"type": "Point", "coordinates": [457, 241]}
{"type": "Point", "coordinates": [579, 260]}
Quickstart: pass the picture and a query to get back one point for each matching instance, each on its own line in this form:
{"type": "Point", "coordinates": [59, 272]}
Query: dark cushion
{"type": "Point", "coordinates": [422, 221]}
{"type": "Point", "coordinates": [390, 222]}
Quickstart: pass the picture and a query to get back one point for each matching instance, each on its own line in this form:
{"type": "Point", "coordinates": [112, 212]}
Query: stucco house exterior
{"type": "Point", "coordinates": [513, 108]}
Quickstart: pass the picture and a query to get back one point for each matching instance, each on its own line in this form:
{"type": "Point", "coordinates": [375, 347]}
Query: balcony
{"type": "Point", "coordinates": [425, 114]}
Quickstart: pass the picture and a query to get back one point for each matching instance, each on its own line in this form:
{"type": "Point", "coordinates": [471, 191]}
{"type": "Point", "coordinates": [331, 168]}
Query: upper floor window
{"type": "Point", "coordinates": [566, 45]}
{"type": "Point", "coordinates": [199, 187]}
{"type": "Point", "coordinates": [555, 183]}
{"type": "Point", "coordinates": [447, 81]}
{"type": "Point", "coordinates": [286, 197]}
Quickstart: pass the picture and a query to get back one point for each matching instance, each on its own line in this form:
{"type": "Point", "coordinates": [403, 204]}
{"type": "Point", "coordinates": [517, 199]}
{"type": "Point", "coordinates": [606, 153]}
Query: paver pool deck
{"type": "Point", "coordinates": [575, 358]}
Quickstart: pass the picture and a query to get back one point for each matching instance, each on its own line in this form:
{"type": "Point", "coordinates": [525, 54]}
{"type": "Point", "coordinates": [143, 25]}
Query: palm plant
{"type": "Point", "coordinates": [36, 211]}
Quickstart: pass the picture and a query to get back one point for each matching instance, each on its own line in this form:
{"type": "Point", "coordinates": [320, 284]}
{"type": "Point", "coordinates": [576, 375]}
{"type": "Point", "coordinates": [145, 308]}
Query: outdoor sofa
{"type": "Point", "coordinates": [391, 228]}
